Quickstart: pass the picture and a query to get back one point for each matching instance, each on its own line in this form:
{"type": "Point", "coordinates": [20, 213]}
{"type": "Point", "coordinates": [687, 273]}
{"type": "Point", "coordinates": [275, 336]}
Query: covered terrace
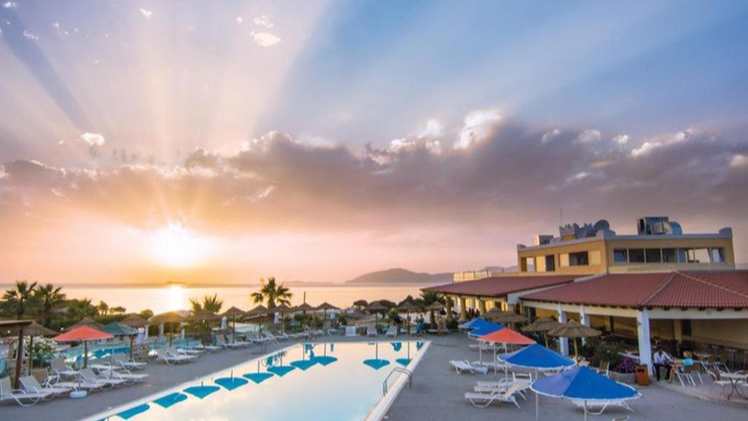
{"type": "Point", "coordinates": [702, 311]}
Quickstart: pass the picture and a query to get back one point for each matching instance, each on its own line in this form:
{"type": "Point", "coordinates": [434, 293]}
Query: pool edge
{"type": "Point", "coordinates": [383, 406]}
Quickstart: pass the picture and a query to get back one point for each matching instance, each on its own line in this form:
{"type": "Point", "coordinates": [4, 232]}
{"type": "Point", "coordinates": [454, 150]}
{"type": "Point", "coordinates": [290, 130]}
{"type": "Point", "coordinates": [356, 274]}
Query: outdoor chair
{"type": "Point", "coordinates": [21, 397]}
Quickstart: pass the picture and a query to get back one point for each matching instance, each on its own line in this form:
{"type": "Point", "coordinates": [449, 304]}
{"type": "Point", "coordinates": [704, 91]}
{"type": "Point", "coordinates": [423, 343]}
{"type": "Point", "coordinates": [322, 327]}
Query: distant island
{"type": "Point", "coordinates": [399, 276]}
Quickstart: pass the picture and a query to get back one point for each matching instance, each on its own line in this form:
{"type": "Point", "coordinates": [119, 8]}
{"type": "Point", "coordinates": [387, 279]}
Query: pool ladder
{"type": "Point", "coordinates": [385, 383]}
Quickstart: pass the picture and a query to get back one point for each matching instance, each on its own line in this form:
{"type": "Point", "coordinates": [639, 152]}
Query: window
{"type": "Point", "coordinates": [620, 256]}
{"type": "Point", "coordinates": [528, 264]}
{"type": "Point", "coordinates": [653, 256]}
{"type": "Point", "coordinates": [682, 256]}
{"type": "Point", "coordinates": [580, 258]}
{"type": "Point", "coordinates": [550, 263]}
{"type": "Point", "coordinates": [668, 256]}
{"type": "Point", "coordinates": [563, 259]}
{"type": "Point", "coordinates": [636, 255]}
{"type": "Point", "coordinates": [698, 255]}
{"type": "Point", "coordinates": [717, 255]}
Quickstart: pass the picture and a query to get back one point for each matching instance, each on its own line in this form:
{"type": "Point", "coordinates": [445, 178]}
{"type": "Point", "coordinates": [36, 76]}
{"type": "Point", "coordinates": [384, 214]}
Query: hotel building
{"type": "Point", "coordinates": [660, 284]}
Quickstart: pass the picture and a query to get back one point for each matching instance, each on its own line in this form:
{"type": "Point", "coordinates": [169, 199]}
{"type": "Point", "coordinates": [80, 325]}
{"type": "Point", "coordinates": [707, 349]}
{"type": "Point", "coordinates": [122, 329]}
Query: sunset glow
{"type": "Point", "coordinates": [176, 246]}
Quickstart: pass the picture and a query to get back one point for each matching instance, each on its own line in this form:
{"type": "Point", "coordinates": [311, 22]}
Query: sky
{"type": "Point", "coordinates": [221, 141]}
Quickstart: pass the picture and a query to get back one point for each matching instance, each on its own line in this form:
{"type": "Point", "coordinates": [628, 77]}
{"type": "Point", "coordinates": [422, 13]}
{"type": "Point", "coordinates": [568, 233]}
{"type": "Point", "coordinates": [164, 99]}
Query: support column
{"type": "Point", "coordinates": [584, 320]}
{"type": "Point", "coordinates": [463, 309]}
{"type": "Point", "coordinates": [449, 307]}
{"type": "Point", "coordinates": [145, 335]}
{"type": "Point", "coordinates": [482, 306]}
{"type": "Point", "coordinates": [161, 330]}
{"type": "Point", "coordinates": [563, 343]}
{"type": "Point", "coordinates": [678, 334]}
{"type": "Point", "coordinates": [645, 344]}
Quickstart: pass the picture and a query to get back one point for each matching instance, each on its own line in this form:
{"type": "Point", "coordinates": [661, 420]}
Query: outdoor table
{"type": "Point", "coordinates": [735, 380]}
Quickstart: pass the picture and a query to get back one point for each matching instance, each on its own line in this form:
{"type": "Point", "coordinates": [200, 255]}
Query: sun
{"type": "Point", "coordinates": [176, 246]}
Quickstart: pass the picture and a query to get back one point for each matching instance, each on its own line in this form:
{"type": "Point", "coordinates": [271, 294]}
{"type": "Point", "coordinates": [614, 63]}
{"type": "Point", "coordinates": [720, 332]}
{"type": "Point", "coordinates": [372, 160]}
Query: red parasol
{"type": "Point", "coordinates": [83, 334]}
{"type": "Point", "coordinates": [505, 336]}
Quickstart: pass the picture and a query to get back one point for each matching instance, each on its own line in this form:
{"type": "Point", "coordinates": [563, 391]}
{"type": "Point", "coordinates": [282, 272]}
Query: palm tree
{"type": "Point", "coordinates": [103, 308]}
{"type": "Point", "coordinates": [210, 303]}
{"type": "Point", "coordinates": [47, 298]}
{"type": "Point", "coordinates": [18, 298]}
{"type": "Point", "coordinates": [273, 293]}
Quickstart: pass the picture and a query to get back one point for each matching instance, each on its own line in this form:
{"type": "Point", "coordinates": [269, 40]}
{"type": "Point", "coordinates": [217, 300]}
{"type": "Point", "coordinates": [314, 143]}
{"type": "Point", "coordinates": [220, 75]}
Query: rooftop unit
{"type": "Point", "coordinates": [658, 225]}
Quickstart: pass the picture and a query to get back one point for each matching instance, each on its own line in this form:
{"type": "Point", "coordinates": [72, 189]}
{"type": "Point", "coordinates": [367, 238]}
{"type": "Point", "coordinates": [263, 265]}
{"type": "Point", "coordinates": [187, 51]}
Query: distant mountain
{"type": "Point", "coordinates": [400, 276]}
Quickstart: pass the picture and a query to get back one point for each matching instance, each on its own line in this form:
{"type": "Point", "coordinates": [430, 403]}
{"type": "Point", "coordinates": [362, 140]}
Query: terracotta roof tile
{"type": "Point", "coordinates": [502, 285]}
{"type": "Point", "coordinates": [718, 290]}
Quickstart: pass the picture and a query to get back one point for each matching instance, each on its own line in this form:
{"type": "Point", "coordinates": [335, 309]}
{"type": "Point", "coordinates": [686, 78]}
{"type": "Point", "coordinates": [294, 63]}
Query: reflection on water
{"type": "Point", "coordinates": [176, 297]}
{"type": "Point", "coordinates": [335, 382]}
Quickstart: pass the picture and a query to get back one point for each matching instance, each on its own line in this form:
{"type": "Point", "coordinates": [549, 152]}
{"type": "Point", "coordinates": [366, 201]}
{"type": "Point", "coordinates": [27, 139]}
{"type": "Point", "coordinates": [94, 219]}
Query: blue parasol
{"type": "Point", "coordinates": [396, 346]}
{"type": "Point", "coordinates": [537, 357]}
{"type": "Point", "coordinates": [483, 328]}
{"type": "Point", "coordinates": [171, 399]}
{"type": "Point", "coordinates": [135, 410]}
{"type": "Point", "coordinates": [583, 384]}
{"type": "Point", "coordinates": [259, 376]}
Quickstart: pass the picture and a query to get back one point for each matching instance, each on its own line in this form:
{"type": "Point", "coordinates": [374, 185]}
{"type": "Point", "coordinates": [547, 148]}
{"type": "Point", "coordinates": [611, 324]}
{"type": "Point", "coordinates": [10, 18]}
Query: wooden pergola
{"type": "Point", "coordinates": [12, 325]}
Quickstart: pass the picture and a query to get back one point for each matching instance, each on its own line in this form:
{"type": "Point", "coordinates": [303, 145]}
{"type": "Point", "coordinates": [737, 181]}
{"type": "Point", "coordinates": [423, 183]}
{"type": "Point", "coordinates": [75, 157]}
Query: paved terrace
{"type": "Point", "coordinates": [437, 393]}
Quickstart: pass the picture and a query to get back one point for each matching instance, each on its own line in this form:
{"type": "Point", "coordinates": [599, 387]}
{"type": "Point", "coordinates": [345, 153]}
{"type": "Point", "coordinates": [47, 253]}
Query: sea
{"type": "Point", "coordinates": [173, 297]}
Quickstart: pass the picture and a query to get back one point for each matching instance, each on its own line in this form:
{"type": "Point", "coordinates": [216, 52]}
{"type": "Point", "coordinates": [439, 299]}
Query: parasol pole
{"type": "Point", "coordinates": [537, 406]}
{"type": "Point", "coordinates": [85, 354]}
{"type": "Point", "coordinates": [31, 353]}
{"type": "Point", "coordinates": [19, 356]}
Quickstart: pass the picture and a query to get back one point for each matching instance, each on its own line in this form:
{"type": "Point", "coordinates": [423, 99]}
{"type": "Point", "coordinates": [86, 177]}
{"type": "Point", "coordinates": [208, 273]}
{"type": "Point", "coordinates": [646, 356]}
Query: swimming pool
{"type": "Point", "coordinates": [322, 381]}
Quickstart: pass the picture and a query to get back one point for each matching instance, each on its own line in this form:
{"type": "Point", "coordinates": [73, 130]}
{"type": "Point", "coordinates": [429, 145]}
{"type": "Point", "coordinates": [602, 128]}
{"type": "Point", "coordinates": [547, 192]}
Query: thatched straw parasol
{"type": "Point", "coordinates": [204, 316]}
{"type": "Point", "coordinates": [408, 307]}
{"type": "Point", "coordinates": [134, 320]}
{"type": "Point", "coordinates": [233, 313]}
{"type": "Point", "coordinates": [34, 329]}
{"type": "Point", "coordinates": [505, 316]}
{"type": "Point", "coordinates": [171, 317]}
{"type": "Point", "coordinates": [281, 309]}
{"type": "Point", "coordinates": [258, 311]}
{"type": "Point", "coordinates": [303, 308]}
{"type": "Point", "coordinates": [542, 326]}
{"type": "Point", "coordinates": [326, 306]}
{"type": "Point", "coordinates": [574, 330]}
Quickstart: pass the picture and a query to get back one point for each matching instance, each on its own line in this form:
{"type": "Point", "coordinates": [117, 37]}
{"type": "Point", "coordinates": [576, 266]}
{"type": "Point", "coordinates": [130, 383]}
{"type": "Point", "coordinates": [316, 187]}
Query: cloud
{"type": "Point", "coordinates": [146, 13]}
{"type": "Point", "coordinates": [10, 5]}
{"type": "Point", "coordinates": [265, 39]}
{"type": "Point", "coordinates": [263, 21]}
{"type": "Point", "coordinates": [93, 139]}
{"type": "Point", "coordinates": [477, 124]}
{"type": "Point", "coordinates": [508, 172]}
{"type": "Point", "coordinates": [239, 20]}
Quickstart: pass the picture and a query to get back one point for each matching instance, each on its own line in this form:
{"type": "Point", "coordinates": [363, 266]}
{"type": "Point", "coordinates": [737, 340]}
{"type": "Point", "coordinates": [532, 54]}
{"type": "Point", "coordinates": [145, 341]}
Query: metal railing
{"type": "Point", "coordinates": [385, 383]}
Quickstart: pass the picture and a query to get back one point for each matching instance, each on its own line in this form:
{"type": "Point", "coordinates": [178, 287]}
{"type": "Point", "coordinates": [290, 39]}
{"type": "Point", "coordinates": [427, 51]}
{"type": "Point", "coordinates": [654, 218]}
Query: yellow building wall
{"type": "Point", "coordinates": [598, 257]}
{"type": "Point", "coordinates": [731, 333]}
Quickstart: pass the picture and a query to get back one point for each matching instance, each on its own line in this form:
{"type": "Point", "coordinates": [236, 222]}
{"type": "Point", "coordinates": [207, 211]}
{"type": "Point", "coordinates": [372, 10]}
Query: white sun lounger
{"type": "Point", "coordinates": [482, 400]}
{"type": "Point", "coordinates": [462, 366]}
{"type": "Point", "coordinates": [371, 331]}
{"type": "Point", "coordinates": [89, 376]}
{"type": "Point", "coordinates": [172, 358]}
{"type": "Point", "coordinates": [350, 331]}
{"type": "Point", "coordinates": [31, 385]}
{"type": "Point", "coordinates": [125, 363]}
{"type": "Point", "coordinates": [391, 331]}
{"type": "Point", "coordinates": [61, 369]}
{"type": "Point", "coordinates": [209, 348]}
{"type": "Point", "coordinates": [125, 375]}
{"type": "Point", "coordinates": [21, 397]}
{"type": "Point", "coordinates": [597, 407]}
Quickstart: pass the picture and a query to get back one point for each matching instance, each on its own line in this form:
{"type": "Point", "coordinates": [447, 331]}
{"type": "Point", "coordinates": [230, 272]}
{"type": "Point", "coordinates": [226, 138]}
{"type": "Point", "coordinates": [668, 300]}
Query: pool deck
{"type": "Point", "coordinates": [436, 394]}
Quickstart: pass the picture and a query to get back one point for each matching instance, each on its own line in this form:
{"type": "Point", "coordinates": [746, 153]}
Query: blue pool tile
{"type": "Point", "coordinates": [258, 377]}
{"type": "Point", "coordinates": [325, 359]}
{"type": "Point", "coordinates": [303, 364]}
{"type": "Point", "coordinates": [376, 363]}
{"type": "Point", "coordinates": [280, 370]}
{"type": "Point", "coordinates": [170, 399]}
{"type": "Point", "coordinates": [231, 383]}
{"type": "Point", "coordinates": [201, 391]}
{"type": "Point", "coordinates": [135, 410]}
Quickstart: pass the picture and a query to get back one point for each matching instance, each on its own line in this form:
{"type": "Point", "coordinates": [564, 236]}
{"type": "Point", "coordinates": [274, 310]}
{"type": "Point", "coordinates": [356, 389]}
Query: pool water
{"type": "Point", "coordinates": [323, 381]}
